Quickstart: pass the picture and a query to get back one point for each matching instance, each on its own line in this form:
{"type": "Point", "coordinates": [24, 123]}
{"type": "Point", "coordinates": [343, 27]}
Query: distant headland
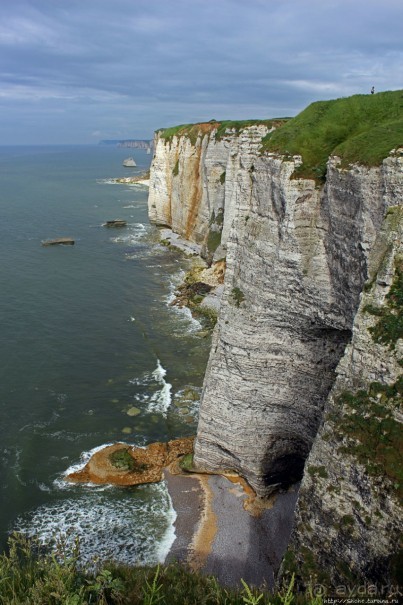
{"type": "Point", "coordinates": [132, 143]}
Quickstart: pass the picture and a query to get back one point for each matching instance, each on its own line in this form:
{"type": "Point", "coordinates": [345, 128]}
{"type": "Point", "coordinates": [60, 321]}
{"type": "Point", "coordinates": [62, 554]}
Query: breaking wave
{"type": "Point", "coordinates": [161, 400]}
{"type": "Point", "coordinates": [120, 525]}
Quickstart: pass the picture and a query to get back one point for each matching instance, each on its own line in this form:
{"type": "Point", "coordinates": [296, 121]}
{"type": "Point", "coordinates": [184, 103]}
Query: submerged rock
{"type": "Point", "coordinates": [59, 241]}
{"type": "Point", "coordinates": [133, 411]}
{"type": "Point", "coordinates": [115, 223]}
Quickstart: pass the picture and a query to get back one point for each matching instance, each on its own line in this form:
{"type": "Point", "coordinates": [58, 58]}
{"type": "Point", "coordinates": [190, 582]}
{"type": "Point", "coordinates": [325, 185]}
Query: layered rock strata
{"type": "Point", "coordinates": [297, 254]}
{"type": "Point", "coordinates": [193, 184]}
{"type": "Point", "coordinates": [296, 261]}
{"type": "Point", "coordinates": [348, 525]}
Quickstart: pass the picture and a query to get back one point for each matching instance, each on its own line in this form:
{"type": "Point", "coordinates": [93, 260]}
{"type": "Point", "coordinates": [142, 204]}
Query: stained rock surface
{"type": "Point", "coordinates": [296, 261]}
{"type": "Point", "coordinates": [302, 257]}
{"type": "Point", "coordinates": [120, 464]}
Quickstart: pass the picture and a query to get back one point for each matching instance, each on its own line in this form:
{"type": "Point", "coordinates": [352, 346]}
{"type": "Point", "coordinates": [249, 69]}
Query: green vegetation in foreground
{"type": "Point", "coordinates": [389, 328]}
{"type": "Point", "coordinates": [31, 577]}
{"type": "Point", "coordinates": [361, 128]}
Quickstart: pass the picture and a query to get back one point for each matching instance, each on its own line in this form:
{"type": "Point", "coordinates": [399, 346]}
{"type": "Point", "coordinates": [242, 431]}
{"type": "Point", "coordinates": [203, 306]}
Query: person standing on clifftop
{"type": "Point", "coordinates": [372, 90]}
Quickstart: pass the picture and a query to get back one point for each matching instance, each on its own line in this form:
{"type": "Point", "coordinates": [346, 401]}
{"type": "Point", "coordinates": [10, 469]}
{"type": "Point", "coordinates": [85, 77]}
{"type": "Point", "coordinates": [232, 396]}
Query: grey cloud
{"type": "Point", "coordinates": [110, 66]}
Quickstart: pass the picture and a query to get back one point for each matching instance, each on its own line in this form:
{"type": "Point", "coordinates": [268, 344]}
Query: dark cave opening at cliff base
{"type": "Point", "coordinates": [285, 470]}
{"type": "Point", "coordinates": [286, 453]}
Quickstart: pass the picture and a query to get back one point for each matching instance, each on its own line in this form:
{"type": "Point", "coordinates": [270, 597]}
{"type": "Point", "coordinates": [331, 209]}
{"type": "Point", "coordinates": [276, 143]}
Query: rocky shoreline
{"type": "Point", "coordinates": [122, 464]}
{"type": "Point", "coordinates": [143, 179]}
{"type": "Point", "coordinates": [208, 507]}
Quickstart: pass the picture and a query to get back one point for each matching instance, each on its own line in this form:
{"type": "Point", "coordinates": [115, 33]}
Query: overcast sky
{"type": "Point", "coordinates": [76, 71]}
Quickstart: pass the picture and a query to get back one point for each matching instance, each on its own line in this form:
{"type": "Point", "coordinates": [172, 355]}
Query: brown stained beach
{"type": "Point", "coordinates": [202, 542]}
{"type": "Point", "coordinates": [208, 508]}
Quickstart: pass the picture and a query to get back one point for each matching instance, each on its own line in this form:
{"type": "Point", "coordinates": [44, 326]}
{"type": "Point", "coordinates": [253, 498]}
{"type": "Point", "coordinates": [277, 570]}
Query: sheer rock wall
{"type": "Point", "coordinates": [297, 258]}
{"type": "Point", "coordinates": [348, 522]}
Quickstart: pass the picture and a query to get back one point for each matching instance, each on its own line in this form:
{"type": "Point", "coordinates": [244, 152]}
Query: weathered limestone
{"type": "Point", "coordinates": [296, 261]}
{"type": "Point", "coordinates": [348, 524]}
{"type": "Point", "coordinates": [185, 185]}
{"type": "Point", "coordinates": [297, 258]}
{"type": "Point", "coordinates": [296, 264]}
{"type": "Point", "coordinates": [192, 185]}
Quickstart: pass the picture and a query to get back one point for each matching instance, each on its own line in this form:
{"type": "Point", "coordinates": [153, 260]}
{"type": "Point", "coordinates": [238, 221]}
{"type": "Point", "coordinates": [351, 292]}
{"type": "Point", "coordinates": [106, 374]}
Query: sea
{"type": "Point", "coordinates": [91, 350]}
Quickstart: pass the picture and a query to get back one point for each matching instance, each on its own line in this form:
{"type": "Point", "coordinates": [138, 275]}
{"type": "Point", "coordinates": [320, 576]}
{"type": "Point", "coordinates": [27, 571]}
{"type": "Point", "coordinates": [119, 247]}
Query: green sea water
{"type": "Point", "coordinates": [87, 334]}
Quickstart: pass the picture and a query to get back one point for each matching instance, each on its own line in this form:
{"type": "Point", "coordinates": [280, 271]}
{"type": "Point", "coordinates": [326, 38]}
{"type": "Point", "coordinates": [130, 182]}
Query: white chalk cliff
{"type": "Point", "coordinates": [297, 257]}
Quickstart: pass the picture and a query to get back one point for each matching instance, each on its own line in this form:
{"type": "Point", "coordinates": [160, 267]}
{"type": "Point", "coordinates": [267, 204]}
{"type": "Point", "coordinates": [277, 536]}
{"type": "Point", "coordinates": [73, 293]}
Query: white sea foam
{"type": "Point", "coordinates": [161, 400]}
{"type": "Point", "coordinates": [60, 482]}
{"type": "Point", "coordinates": [137, 232]}
{"type": "Point", "coordinates": [153, 390]}
{"type": "Point", "coordinates": [169, 537]}
{"type": "Point", "coordinates": [133, 527]}
{"type": "Point", "coordinates": [190, 323]}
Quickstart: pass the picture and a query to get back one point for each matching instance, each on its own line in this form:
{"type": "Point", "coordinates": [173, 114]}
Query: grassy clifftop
{"type": "Point", "coordinates": [220, 128]}
{"type": "Point", "coordinates": [360, 129]}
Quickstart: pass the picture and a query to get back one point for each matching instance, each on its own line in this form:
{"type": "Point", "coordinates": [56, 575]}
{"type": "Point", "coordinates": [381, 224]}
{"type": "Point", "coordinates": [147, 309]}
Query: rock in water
{"type": "Point", "coordinates": [60, 241]}
{"type": "Point", "coordinates": [120, 464]}
{"type": "Point", "coordinates": [115, 223]}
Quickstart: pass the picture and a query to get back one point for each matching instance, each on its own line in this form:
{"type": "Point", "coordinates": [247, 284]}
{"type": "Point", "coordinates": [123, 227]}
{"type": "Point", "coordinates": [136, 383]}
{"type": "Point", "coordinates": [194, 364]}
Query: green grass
{"type": "Point", "coordinates": [238, 296]}
{"type": "Point", "coordinates": [389, 328]}
{"type": "Point", "coordinates": [192, 131]}
{"type": "Point", "coordinates": [370, 433]}
{"type": "Point", "coordinates": [122, 460]}
{"type": "Point", "coordinates": [213, 241]}
{"type": "Point", "coordinates": [31, 576]}
{"type": "Point", "coordinates": [319, 471]}
{"type": "Point", "coordinates": [186, 463]}
{"type": "Point", "coordinates": [169, 133]}
{"type": "Point", "coordinates": [207, 315]}
{"type": "Point", "coordinates": [361, 128]}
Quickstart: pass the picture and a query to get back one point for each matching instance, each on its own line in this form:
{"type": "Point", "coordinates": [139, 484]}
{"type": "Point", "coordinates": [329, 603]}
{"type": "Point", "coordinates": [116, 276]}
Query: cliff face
{"type": "Point", "coordinates": [297, 257]}
{"type": "Point", "coordinates": [193, 184]}
{"type": "Point", "coordinates": [296, 264]}
{"type": "Point", "coordinates": [349, 514]}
